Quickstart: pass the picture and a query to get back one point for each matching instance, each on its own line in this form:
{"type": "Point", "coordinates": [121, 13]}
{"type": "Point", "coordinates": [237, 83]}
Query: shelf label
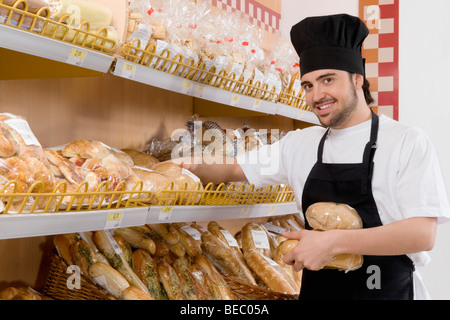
{"type": "Point", "coordinates": [199, 90]}
{"type": "Point", "coordinates": [76, 57]}
{"type": "Point", "coordinates": [128, 70]}
{"type": "Point", "coordinates": [300, 112]}
{"type": "Point", "coordinates": [187, 87]}
{"type": "Point", "coordinates": [256, 104]}
{"type": "Point", "coordinates": [114, 220]}
{"type": "Point", "coordinates": [272, 209]}
{"type": "Point", "coordinates": [235, 99]}
{"type": "Point", "coordinates": [165, 213]}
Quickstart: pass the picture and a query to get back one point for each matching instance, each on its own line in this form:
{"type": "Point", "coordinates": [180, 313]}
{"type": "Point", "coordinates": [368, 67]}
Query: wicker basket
{"type": "Point", "coordinates": [56, 284]}
{"type": "Point", "coordinates": [245, 291]}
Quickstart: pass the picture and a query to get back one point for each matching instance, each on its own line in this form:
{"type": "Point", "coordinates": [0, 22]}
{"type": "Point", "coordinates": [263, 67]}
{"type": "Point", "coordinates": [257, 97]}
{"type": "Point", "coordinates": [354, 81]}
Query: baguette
{"type": "Point", "coordinates": [270, 272]}
{"type": "Point", "coordinates": [134, 293]}
{"type": "Point", "coordinates": [82, 256]}
{"type": "Point", "coordinates": [170, 281]}
{"type": "Point", "coordinates": [108, 278]}
{"type": "Point", "coordinates": [146, 269]}
{"type": "Point", "coordinates": [208, 267]}
{"type": "Point", "coordinates": [248, 241]}
{"type": "Point", "coordinates": [189, 284]}
{"type": "Point", "coordinates": [164, 230]}
{"type": "Point", "coordinates": [136, 238]}
{"type": "Point", "coordinates": [223, 258]}
{"type": "Point", "coordinates": [191, 246]}
{"type": "Point", "coordinates": [125, 247]}
{"type": "Point", "coordinates": [116, 258]}
{"type": "Point", "coordinates": [208, 287]}
{"type": "Point", "coordinates": [62, 244]}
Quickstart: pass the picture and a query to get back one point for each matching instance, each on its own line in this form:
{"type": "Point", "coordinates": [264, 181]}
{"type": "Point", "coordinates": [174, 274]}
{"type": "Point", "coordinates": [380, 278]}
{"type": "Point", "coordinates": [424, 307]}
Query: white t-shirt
{"type": "Point", "coordinates": [407, 180]}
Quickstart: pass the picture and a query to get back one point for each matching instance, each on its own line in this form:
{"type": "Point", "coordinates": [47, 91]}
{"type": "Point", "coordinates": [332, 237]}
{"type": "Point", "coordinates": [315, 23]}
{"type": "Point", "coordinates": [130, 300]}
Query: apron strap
{"type": "Point", "coordinates": [369, 153]}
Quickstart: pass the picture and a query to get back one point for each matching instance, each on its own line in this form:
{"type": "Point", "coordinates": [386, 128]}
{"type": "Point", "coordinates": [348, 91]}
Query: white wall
{"type": "Point", "coordinates": [424, 64]}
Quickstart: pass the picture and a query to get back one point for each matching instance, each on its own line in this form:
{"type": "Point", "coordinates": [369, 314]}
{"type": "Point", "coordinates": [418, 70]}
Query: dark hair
{"type": "Point", "coordinates": [366, 90]}
{"type": "Point", "coordinates": [367, 94]}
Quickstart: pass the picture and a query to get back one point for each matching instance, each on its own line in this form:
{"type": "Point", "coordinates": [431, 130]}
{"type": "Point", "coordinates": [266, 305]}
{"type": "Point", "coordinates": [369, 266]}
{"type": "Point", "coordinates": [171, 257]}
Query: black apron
{"type": "Point", "coordinates": [380, 277]}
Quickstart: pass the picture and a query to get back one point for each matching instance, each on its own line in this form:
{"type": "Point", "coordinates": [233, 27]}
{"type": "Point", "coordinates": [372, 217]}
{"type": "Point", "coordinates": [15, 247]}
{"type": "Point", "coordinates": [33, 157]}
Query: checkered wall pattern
{"type": "Point", "coordinates": [381, 52]}
{"type": "Point", "coordinates": [260, 15]}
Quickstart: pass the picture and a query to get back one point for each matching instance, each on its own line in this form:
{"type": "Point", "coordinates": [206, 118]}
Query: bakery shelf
{"type": "Point", "coordinates": [40, 224]}
{"type": "Point", "coordinates": [34, 34]}
{"type": "Point", "coordinates": [164, 80]}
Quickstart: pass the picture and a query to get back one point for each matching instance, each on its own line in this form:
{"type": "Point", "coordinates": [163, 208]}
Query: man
{"type": "Point", "coordinates": [385, 170]}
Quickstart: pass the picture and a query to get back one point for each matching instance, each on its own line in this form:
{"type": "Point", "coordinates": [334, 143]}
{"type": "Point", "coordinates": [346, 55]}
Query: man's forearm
{"type": "Point", "coordinates": [402, 237]}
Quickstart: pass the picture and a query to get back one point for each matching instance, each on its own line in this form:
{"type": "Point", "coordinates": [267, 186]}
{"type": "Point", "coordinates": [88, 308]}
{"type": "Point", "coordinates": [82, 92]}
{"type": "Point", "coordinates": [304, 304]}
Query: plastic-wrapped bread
{"type": "Point", "coordinates": [62, 243]}
{"type": "Point", "coordinates": [208, 267]}
{"type": "Point", "coordinates": [108, 278]}
{"type": "Point", "coordinates": [146, 268]}
{"type": "Point", "coordinates": [136, 238]}
{"type": "Point", "coordinates": [170, 281]}
{"type": "Point", "coordinates": [270, 272]}
{"type": "Point", "coordinates": [107, 245]}
{"type": "Point", "coordinates": [283, 248]}
{"type": "Point", "coordinates": [327, 216]}
{"type": "Point", "coordinates": [83, 256]}
{"type": "Point", "coordinates": [141, 159]}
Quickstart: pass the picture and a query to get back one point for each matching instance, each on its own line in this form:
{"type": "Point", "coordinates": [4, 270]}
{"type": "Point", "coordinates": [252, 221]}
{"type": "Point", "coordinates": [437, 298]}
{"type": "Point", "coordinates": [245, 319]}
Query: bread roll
{"type": "Point", "coordinates": [86, 149]}
{"type": "Point", "coordinates": [329, 215]}
{"type": "Point", "coordinates": [145, 268]}
{"type": "Point", "coordinates": [134, 293]}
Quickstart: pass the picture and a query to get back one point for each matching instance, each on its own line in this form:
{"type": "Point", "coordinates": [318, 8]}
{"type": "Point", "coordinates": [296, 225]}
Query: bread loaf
{"type": "Point", "coordinates": [83, 256]}
{"type": "Point", "coordinates": [270, 272]}
{"type": "Point", "coordinates": [108, 278]}
{"type": "Point", "coordinates": [146, 269]}
{"type": "Point", "coordinates": [134, 293]}
{"type": "Point", "coordinates": [136, 238]}
{"type": "Point", "coordinates": [328, 216]}
{"type": "Point", "coordinates": [170, 281]}
{"type": "Point", "coordinates": [283, 248]}
{"type": "Point", "coordinates": [141, 159]}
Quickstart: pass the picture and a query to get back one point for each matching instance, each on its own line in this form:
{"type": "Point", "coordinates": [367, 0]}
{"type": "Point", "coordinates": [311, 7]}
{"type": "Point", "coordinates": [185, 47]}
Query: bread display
{"type": "Point", "coordinates": [196, 264]}
{"type": "Point", "coordinates": [327, 216]}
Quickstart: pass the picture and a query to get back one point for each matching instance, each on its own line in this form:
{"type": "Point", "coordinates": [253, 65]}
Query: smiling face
{"type": "Point", "coordinates": [335, 97]}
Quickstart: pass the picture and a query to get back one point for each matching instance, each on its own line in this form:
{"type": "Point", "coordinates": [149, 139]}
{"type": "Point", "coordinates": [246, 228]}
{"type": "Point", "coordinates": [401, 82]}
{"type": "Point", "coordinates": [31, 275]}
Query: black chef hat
{"type": "Point", "coordinates": [330, 42]}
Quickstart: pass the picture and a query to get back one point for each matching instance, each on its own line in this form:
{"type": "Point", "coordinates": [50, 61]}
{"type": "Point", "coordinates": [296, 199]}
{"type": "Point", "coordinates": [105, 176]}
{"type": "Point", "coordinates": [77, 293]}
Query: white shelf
{"type": "Point", "coordinates": [27, 42]}
{"type": "Point", "coordinates": [170, 82]}
{"type": "Point", "coordinates": [40, 224]}
{"type": "Point", "coordinates": [297, 114]}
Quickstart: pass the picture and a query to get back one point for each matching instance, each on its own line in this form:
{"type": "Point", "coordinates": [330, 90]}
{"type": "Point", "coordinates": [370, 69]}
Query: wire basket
{"type": "Point", "coordinates": [60, 199]}
{"type": "Point", "coordinates": [56, 285]}
{"type": "Point", "coordinates": [18, 16]}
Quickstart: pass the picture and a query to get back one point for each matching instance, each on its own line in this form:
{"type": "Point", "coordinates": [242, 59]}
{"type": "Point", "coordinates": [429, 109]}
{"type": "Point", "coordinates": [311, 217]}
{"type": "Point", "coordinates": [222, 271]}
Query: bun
{"type": "Point", "coordinates": [329, 215]}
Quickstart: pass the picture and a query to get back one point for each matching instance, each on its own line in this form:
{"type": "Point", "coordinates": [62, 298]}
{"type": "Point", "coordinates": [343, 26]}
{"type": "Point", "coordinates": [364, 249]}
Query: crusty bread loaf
{"type": "Point", "coordinates": [270, 272]}
{"type": "Point", "coordinates": [282, 249]}
{"type": "Point", "coordinates": [141, 159]}
{"type": "Point", "coordinates": [329, 215]}
{"type": "Point", "coordinates": [108, 278]}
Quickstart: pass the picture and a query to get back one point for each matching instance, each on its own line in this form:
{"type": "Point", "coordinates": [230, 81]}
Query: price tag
{"type": "Point", "coordinates": [194, 233]}
{"type": "Point", "coordinates": [260, 239]}
{"type": "Point", "coordinates": [235, 99]}
{"type": "Point", "coordinates": [300, 112]}
{"type": "Point", "coordinates": [187, 87]}
{"type": "Point", "coordinates": [113, 242]}
{"type": "Point", "coordinates": [245, 210]}
{"type": "Point", "coordinates": [272, 209]}
{"type": "Point", "coordinates": [76, 57]}
{"type": "Point", "coordinates": [199, 90]}
{"type": "Point", "coordinates": [128, 70]}
{"type": "Point", "coordinates": [230, 239]}
{"type": "Point", "coordinates": [114, 220]}
{"type": "Point", "coordinates": [165, 213]}
{"type": "Point", "coordinates": [256, 104]}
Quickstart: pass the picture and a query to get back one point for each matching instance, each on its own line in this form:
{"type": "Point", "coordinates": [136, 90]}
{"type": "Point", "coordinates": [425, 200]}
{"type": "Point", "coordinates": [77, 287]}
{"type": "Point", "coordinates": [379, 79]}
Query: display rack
{"type": "Point", "coordinates": [35, 213]}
